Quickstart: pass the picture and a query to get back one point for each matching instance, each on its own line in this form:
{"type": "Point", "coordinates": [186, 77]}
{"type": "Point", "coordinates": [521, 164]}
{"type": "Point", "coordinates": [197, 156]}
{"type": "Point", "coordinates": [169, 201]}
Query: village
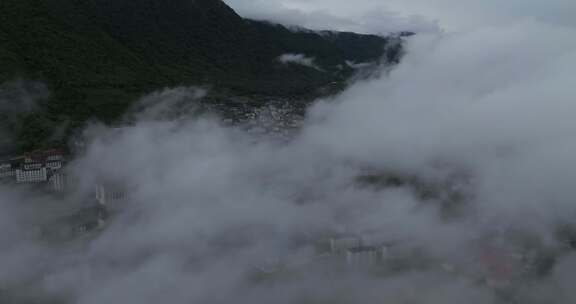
{"type": "Point", "coordinates": [493, 264]}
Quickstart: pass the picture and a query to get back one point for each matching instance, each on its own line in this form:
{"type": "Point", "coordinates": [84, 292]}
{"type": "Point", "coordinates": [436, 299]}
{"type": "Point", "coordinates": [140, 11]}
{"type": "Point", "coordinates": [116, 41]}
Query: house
{"type": "Point", "coordinates": [36, 167]}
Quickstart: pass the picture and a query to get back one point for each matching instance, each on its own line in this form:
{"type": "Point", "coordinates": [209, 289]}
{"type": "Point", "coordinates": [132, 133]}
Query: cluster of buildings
{"type": "Point", "coordinates": [337, 253]}
{"type": "Point", "coordinates": [39, 167]}
{"type": "Point", "coordinates": [46, 168]}
{"type": "Point", "coordinates": [494, 265]}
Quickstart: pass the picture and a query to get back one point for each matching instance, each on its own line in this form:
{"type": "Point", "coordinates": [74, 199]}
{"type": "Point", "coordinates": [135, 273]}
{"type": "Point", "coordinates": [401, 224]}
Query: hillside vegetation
{"type": "Point", "coordinates": [98, 56]}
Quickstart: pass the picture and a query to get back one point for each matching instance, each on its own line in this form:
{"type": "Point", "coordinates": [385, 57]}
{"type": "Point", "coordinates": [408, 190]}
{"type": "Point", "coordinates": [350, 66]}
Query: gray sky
{"type": "Point", "coordinates": [418, 15]}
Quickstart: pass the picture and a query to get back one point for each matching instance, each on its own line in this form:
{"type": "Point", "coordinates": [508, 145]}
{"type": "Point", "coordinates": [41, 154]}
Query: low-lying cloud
{"type": "Point", "coordinates": [300, 59]}
{"type": "Point", "coordinates": [481, 119]}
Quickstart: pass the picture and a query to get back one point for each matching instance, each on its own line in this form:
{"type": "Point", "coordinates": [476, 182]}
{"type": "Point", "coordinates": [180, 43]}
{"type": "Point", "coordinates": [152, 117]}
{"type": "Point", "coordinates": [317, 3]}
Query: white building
{"type": "Point", "coordinates": [54, 161]}
{"type": "Point", "coordinates": [36, 167]}
{"type": "Point", "coordinates": [32, 165]}
{"type": "Point", "coordinates": [31, 176]}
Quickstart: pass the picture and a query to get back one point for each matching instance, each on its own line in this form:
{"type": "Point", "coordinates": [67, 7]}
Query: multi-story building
{"type": "Point", "coordinates": [33, 168]}
{"type": "Point", "coordinates": [52, 159]}
{"type": "Point", "coordinates": [32, 174]}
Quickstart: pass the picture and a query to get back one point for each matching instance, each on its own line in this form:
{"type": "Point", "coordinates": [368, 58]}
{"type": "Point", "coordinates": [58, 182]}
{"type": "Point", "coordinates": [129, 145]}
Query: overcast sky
{"type": "Point", "coordinates": [418, 15]}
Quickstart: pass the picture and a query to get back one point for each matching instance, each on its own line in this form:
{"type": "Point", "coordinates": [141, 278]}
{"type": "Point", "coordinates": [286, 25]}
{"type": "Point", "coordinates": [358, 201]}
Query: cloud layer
{"type": "Point", "coordinates": [484, 115]}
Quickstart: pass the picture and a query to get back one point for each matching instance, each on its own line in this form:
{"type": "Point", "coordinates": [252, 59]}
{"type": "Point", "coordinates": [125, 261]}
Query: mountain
{"type": "Point", "coordinates": [98, 56]}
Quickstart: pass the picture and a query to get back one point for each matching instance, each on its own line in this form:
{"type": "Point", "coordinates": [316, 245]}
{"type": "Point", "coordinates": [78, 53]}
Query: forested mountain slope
{"type": "Point", "coordinates": [98, 56]}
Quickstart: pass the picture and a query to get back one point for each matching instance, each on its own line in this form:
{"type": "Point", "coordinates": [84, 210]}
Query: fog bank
{"type": "Point", "coordinates": [482, 119]}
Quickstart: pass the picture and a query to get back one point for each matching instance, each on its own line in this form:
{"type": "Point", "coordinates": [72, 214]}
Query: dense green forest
{"type": "Point", "coordinates": [98, 56]}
